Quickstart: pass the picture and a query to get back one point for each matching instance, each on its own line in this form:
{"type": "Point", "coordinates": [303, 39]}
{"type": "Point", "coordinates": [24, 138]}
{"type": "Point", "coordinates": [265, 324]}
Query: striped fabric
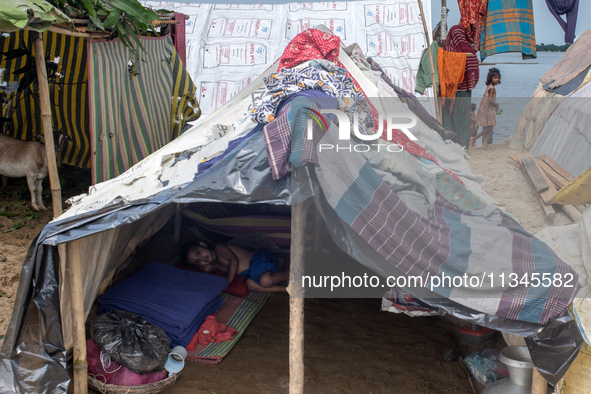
{"type": "Point", "coordinates": [236, 312]}
{"type": "Point", "coordinates": [451, 241]}
{"type": "Point", "coordinates": [135, 110]}
{"type": "Point", "coordinates": [69, 95]}
{"type": "Point", "coordinates": [277, 228]}
{"type": "Point", "coordinates": [71, 107]}
{"type": "Point", "coordinates": [509, 27]}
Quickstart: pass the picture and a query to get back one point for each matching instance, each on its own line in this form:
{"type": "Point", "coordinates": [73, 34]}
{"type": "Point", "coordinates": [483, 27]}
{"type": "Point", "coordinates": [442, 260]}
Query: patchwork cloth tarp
{"type": "Point", "coordinates": [575, 60]}
{"type": "Point", "coordinates": [569, 75]}
{"type": "Point", "coordinates": [176, 300]}
{"type": "Point", "coordinates": [449, 241]}
{"type": "Point", "coordinates": [509, 27]}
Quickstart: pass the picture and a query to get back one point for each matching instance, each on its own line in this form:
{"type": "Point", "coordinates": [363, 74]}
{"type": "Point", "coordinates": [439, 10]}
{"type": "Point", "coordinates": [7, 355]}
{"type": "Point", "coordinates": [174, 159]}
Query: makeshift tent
{"type": "Point", "coordinates": [566, 137]}
{"type": "Point", "coordinates": [117, 107]}
{"type": "Point", "coordinates": [39, 16]}
{"type": "Point", "coordinates": [419, 212]}
{"type": "Point", "coordinates": [562, 80]}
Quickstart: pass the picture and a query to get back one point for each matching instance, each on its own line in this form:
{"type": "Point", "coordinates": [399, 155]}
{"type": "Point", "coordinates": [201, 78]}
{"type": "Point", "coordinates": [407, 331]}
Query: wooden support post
{"type": "Point", "coordinates": [178, 221]}
{"type": "Point", "coordinates": [437, 107]}
{"type": "Point", "coordinates": [296, 301]}
{"type": "Point", "coordinates": [443, 20]}
{"type": "Point", "coordinates": [318, 223]}
{"type": "Point", "coordinates": [54, 181]}
{"type": "Point", "coordinates": [539, 384]}
{"type": "Point", "coordinates": [74, 269]}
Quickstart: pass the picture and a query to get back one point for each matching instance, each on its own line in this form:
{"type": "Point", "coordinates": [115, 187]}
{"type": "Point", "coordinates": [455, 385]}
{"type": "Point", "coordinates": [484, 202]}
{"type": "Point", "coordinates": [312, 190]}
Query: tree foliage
{"type": "Point", "coordinates": [126, 18]}
{"type": "Point", "coordinates": [552, 48]}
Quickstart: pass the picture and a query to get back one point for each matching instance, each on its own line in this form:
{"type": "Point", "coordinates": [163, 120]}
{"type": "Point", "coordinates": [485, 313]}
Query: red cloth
{"type": "Point", "coordinates": [473, 13]}
{"type": "Point", "coordinates": [237, 287]}
{"type": "Point", "coordinates": [308, 45]}
{"type": "Point", "coordinates": [211, 331]}
{"type": "Point", "coordinates": [180, 42]}
{"type": "Point", "coordinates": [457, 41]}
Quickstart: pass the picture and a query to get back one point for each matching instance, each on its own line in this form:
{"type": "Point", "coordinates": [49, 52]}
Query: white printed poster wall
{"type": "Point", "coordinates": [229, 45]}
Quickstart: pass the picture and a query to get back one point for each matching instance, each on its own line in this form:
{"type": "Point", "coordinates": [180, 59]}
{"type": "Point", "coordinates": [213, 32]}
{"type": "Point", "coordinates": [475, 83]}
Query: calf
{"type": "Point", "coordinates": [27, 158]}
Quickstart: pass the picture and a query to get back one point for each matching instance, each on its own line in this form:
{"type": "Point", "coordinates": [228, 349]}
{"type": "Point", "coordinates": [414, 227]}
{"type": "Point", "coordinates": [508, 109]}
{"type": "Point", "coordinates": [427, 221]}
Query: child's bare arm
{"type": "Point", "coordinates": [226, 253]}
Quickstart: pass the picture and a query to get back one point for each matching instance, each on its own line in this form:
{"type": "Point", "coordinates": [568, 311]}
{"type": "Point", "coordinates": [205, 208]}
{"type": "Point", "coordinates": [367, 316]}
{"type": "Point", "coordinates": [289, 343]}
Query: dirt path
{"type": "Point", "coordinates": [19, 225]}
{"type": "Point", "coordinates": [505, 182]}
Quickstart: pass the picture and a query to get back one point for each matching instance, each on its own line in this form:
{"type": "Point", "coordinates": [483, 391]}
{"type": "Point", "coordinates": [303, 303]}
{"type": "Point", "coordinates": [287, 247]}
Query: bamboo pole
{"type": "Point", "coordinates": [296, 300]}
{"type": "Point", "coordinates": [318, 223]}
{"type": "Point", "coordinates": [178, 221]}
{"type": "Point", "coordinates": [54, 182]}
{"type": "Point", "coordinates": [443, 20]}
{"type": "Point", "coordinates": [572, 212]}
{"type": "Point", "coordinates": [78, 316]}
{"type": "Point", "coordinates": [437, 108]}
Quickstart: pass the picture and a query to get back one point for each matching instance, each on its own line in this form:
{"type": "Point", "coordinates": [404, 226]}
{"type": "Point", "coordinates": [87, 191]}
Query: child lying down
{"type": "Point", "coordinates": [259, 269]}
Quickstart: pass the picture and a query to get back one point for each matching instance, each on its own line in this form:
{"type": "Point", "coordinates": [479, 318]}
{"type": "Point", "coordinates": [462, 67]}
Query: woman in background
{"type": "Point", "coordinates": [456, 113]}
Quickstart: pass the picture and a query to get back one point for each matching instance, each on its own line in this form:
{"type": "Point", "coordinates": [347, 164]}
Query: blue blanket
{"type": "Point", "coordinates": [169, 297]}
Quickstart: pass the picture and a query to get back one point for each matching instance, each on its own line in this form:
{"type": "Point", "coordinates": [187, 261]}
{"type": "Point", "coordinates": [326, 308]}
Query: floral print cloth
{"type": "Point", "coordinates": [320, 75]}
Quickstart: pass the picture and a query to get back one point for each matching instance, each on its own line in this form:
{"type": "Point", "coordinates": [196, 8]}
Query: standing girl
{"type": "Point", "coordinates": [488, 106]}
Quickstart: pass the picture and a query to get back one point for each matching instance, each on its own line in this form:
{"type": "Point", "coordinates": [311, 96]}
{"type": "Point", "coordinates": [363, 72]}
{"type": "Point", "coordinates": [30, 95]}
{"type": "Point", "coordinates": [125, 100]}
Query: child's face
{"type": "Point", "coordinates": [199, 256]}
{"type": "Point", "coordinates": [496, 79]}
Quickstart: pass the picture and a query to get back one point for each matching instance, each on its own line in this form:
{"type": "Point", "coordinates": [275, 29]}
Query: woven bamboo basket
{"type": "Point", "coordinates": [150, 388]}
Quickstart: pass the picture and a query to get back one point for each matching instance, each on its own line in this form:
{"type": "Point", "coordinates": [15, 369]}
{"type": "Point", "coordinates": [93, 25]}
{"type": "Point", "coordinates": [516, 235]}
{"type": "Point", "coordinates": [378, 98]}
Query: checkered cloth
{"type": "Point", "coordinates": [509, 27]}
{"type": "Point", "coordinates": [450, 241]}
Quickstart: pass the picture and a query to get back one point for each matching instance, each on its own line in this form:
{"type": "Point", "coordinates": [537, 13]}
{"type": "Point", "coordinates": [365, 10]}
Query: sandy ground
{"type": "Point", "coordinates": [16, 235]}
{"type": "Point", "coordinates": [350, 346]}
{"type": "Point", "coordinates": [505, 182]}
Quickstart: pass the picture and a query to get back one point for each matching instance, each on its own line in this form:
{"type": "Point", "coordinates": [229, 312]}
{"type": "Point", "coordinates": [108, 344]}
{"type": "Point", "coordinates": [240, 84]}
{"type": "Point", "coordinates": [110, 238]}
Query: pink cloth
{"type": "Point", "coordinates": [211, 331]}
{"type": "Point", "coordinates": [114, 373]}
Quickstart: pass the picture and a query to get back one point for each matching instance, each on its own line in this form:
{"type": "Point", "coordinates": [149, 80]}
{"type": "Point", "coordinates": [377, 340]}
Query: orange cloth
{"type": "Point", "coordinates": [451, 67]}
{"type": "Point", "coordinates": [211, 331]}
